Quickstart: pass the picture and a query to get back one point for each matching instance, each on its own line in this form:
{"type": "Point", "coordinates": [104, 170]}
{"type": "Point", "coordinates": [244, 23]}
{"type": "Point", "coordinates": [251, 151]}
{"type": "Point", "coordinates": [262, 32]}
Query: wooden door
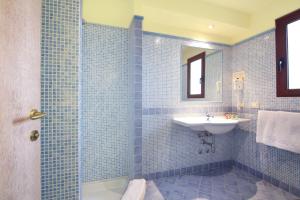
{"type": "Point", "coordinates": [20, 22]}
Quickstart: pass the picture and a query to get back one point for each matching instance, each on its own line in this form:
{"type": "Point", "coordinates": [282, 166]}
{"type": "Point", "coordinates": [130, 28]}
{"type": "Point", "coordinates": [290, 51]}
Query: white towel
{"type": "Point", "coordinates": [136, 190]}
{"type": "Point", "coordinates": [279, 129]}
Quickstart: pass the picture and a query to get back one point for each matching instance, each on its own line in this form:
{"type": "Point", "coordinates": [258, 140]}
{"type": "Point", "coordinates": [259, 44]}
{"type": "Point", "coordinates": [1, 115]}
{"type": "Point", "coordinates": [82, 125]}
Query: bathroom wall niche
{"type": "Point", "coordinates": [201, 74]}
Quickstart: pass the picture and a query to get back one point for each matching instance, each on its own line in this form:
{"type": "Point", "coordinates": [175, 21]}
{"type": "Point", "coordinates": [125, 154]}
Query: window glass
{"type": "Point", "coordinates": [293, 33]}
{"type": "Point", "coordinates": [196, 74]}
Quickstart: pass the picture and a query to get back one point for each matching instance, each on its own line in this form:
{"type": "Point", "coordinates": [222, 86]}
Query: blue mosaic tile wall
{"type": "Point", "coordinates": [167, 146]}
{"type": "Point", "coordinates": [104, 103]}
{"type": "Point", "coordinates": [59, 83]}
{"type": "Point", "coordinates": [257, 58]}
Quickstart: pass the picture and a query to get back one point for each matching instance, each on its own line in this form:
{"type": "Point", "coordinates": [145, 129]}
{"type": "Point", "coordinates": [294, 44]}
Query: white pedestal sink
{"type": "Point", "coordinates": [215, 125]}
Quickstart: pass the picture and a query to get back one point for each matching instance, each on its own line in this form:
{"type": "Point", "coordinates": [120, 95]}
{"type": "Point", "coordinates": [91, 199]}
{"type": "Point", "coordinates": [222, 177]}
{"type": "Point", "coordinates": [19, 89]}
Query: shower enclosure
{"type": "Point", "coordinates": [110, 109]}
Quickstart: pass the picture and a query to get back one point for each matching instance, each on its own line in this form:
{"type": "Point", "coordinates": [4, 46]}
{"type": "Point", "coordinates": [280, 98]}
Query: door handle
{"type": "Point", "coordinates": [35, 114]}
{"type": "Point", "coordinates": [280, 65]}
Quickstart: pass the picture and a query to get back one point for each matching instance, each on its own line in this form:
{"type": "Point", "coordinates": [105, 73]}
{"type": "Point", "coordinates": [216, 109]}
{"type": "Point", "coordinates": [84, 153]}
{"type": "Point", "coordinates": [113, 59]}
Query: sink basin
{"type": "Point", "coordinates": [216, 125]}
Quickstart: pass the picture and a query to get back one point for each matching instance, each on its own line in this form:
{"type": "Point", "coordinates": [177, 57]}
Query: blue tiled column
{"type": "Point", "coordinates": [135, 59]}
{"type": "Point", "coordinates": [59, 84]}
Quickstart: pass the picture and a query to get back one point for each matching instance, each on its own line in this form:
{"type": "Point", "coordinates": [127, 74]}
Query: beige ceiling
{"type": "Point", "coordinates": [233, 20]}
{"type": "Point", "coordinates": [247, 6]}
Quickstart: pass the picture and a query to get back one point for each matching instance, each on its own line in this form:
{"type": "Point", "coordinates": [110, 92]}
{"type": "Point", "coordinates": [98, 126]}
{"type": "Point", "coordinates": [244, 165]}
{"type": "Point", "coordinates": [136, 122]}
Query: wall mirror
{"type": "Point", "coordinates": [201, 74]}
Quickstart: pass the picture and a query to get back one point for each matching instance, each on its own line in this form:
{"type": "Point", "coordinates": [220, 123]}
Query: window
{"type": "Point", "coordinates": [196, 76]}
{"type": "Point", "coordinates": [288, 55]}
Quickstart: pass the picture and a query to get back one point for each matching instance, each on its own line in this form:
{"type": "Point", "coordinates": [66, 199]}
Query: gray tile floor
{"type": "Point", "coordinates": [231, 185]}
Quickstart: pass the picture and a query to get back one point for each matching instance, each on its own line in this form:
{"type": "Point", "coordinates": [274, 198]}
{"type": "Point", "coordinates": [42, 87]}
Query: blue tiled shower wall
{"type": "Point", "coordinates": [59, 99]}
{"type": "Point", "coordinates": [104, 102]}
{"type": "Point", "coordinates": [257, 58]}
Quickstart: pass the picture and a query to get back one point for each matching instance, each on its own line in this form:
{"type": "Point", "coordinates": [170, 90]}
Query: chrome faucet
{"type": "Point", "coordinates": [208, 116]}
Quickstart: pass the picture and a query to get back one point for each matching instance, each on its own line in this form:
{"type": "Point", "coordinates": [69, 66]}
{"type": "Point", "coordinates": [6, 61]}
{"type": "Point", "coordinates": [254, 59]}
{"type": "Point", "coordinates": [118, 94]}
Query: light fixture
{"type": "Point", "coordinates": [211, 26]}
{"type": "Point", "coordinates": [157, 40]}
